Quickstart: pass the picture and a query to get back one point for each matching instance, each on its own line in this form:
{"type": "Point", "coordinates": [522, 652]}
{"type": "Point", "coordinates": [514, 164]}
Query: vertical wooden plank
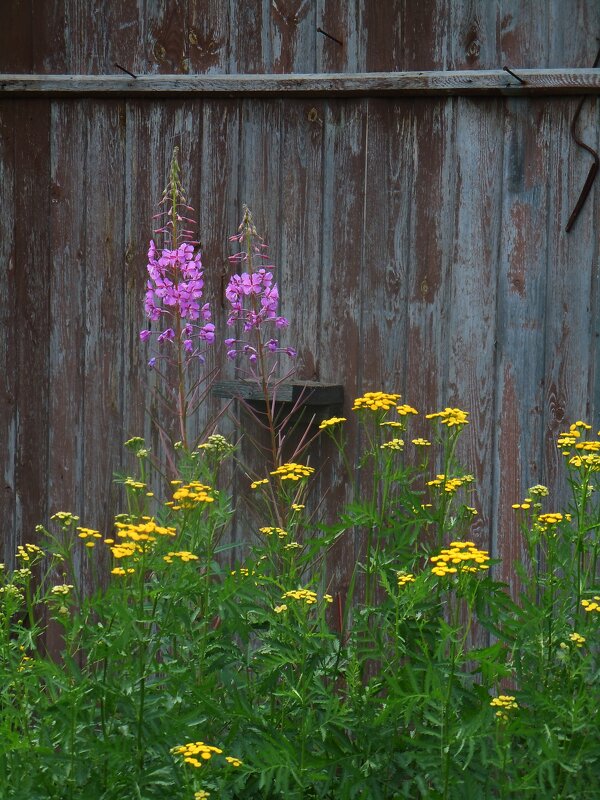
{"type": "Point", "coordinates": [67, 321]}
{"type": "Point", "coordinates": [432, 199]}
{"type": "Point", "coordinates": [340, 347]}
{"type": "Point", "coordinates": [343, 20]}
{"type": "Point", "coordinates": [472, 321]}
{"type": "Point", "coordinates": [524, 35]}
{"type": "Point", "coordinates": [385, 244]}
{"type": "Point", "coordinates": [259, 188]}
{"type": "Point", "coordinates": [294, 35]}
{"type": "Point", "coordinates": [385, 35]}
{"type": "Point", "coordinates": [301, 229]}
{"type": "Point", "coordinates": [594, 201]}
{"type": "Point", "coordinates": [573, 31]}
{"type": "Point", "coordinates": [424, 36]}
{"type": "Point", "coordinates": [473, 31]}
{"type": "Point", "coordinates": [520, 325]}
{"type": "Point", "coordinates": [251, 45]}
{"type": "Point", "coordinates": [166, 37]}
{"type": "Point", "coordinates": [209, 36]}
{"type": "Point", "coordinates": [31, 205]}
{"type": "Point", "coordinates": [8, 326]}
{"type": "Point", "coordinates": [103, 315]}
{"type": "Point", "coordinates": [16, 46]}
{"type": "Point", "coordinates": [568, 343]}
{"type": "Point", "coordinates": [219, 216]}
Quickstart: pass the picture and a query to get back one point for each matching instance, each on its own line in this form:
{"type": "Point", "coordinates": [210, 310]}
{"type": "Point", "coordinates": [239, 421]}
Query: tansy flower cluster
{"type": "Point", "coordinates": [190, 495]}
{"type": "Point", "coordinates": [504, 703]}
{"type": "Point", "coordinates": [451, 417]}
{"type": "Point", "coordinates": [27, 552]}
{"type": "Point", "coordinates": [135, 536]}
{"type": "Point", "coordinates": [182, 555]}
{"type": "Point", "coordinates": [592, 605]}
{"type": "Point", "coordinates": [576, 638]}
{"type": "Point", "coordinates": [568, 439]}
{"type": "Point", "coordinates": [63, 589]}
{"type": "Point", "coordinates": [421, 442]}
{"type": "Point", "coordinates": [405, 410]}
{"type": "Point", "coordinates": [269, 531]}
{"type": "Point", "coordinates": [306, 596]}
{"type": "Point", "coordinates": [459, 556]}
{"type": "Point", "coordinates": [376, 401]}
{"type": "Point", "coordinates": [539, 490]}
{"type": "Point", "coordinates": [64, 518]}
{"type": "Point", "coordinates": [404, 578]}
{"type": "Point", "coordinates": [393, 444]}
{"type": "Point", "coordinates": [217, 444]}
{"type": "Point", "coordinates": [292, 472]}
{"type": "Point", "coordinates": [90, 535]}
{"type": "Point", "coordinates": [450, 485]}
{"type": "Point", "coordinates": [329, 423]}
{"type": "Point", "coordinates": [195, 753]}
{"type": "Point", "coordinates": [580, 453]}
{"type": "Point", "coordinates": [553, 518]}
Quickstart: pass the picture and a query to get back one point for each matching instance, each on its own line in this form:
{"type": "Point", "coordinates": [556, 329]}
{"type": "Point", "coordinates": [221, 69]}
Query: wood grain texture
{"type": "Point", "coordinates": [340, 345]}
{"type": "Point", "coordinates": [569, 277]}
{"type": "Point", "coordinates": [9, 332]}
{"type": "Point", "coordinates": [67, 303]}
{"type": "Point", "coordinates": [375, 84]}
{"type": "Point", "coordinates": [226, 36]}
{"type": "Point", "coordinates": [103, 278]}
{"type": "Point", "coordinates": [472, 321]}
{"type": "Point", "coordinates": [521, 310]}
{"type": "Point", "coordinates": [431, 239]}
{"type": "Point", "coordinates": [32, 322]}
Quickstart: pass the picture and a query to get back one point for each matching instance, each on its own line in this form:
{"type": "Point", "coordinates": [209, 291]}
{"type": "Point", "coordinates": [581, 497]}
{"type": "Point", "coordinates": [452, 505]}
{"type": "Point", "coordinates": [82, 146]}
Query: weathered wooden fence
{"type": "Point", "coordinates": [418, 221]}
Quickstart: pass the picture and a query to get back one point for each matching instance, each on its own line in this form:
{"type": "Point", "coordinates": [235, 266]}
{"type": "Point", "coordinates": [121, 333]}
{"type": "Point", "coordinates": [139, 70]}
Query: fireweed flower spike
{"type": "Point", "coordinates": [253, 297]}
{"type": "Point", "coordinates": [174, 292]}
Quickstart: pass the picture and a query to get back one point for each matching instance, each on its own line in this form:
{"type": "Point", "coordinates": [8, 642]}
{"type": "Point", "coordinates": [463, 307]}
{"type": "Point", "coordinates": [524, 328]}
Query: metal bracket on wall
{"type": "Point", "coordinates": [593, 169]}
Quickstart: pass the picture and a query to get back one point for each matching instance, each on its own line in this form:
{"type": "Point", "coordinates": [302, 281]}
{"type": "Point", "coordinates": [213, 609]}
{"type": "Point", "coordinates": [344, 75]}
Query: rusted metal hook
{"type": "Point", "coordinates": [587, 186]}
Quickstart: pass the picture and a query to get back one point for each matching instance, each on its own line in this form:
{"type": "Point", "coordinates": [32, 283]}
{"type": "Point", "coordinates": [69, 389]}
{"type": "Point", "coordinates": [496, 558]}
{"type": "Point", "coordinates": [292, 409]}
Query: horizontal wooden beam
{"type": "Point", "coordinates": [398, 84]}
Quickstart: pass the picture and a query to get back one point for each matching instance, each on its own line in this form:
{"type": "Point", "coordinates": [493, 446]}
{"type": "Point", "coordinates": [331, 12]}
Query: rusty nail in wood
{"type": "Point", "coordinates": [329, 36]}
{"type": "Point", "coordinates": [510, 72]}
{"type": "Point", "coordinates": [118, 66]}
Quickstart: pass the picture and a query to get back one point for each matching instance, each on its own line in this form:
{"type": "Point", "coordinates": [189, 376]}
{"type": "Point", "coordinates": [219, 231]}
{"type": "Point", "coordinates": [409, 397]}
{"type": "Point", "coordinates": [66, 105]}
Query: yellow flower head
{"type": "Point", "coordinates": [292, 472]}
{"type": "Point", "coordinates": [376, 401]}
{"type": "Point", "coordinates": [329, 423]}
{"type": "Point", "coordinates": [592, 605]}
{"type": "Point", "coordinates": [405, 410]}
{"type": "Point", "coordinates": [269, 531]}
{"type": "Point", "coordinates": [393, 444]}
{"type": "Point", "coordinates": [451, 417]}
{"type": "Point", "coordinates": [306, 596]}
{"type": "Point", "coordinates": [64, 518]}
{"type": "Point", "coordinates": [504, 703]}
{"type": "Point", "coordinates": [182, 555]}
{"type": "Point", "coordinates": [460, 557]}
{"type": "Point", "coordinates": [191, 495]}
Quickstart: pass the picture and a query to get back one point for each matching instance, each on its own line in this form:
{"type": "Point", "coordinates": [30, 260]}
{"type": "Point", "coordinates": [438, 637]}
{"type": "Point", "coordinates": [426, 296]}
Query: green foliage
{"type": "Point", "coordinates": [426, 680]}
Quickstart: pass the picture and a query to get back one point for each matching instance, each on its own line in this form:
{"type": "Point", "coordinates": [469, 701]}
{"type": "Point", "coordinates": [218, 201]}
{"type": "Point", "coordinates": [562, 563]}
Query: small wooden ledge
{"type": "Point", "coordinates": [304, 393]}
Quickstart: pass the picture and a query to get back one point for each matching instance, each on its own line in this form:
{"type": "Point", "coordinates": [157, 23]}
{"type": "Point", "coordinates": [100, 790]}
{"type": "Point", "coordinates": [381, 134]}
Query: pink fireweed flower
{"type": "Point", "coordinates": [253, 297]}
{"type": "Point", "coordinates": [175, 284]}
